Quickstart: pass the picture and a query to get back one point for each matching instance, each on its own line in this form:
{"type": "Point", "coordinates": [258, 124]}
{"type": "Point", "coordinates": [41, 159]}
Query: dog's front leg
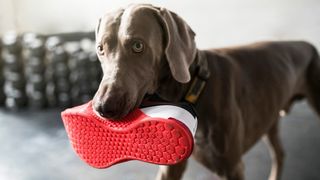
{"type": "Point", "coordinates": [173, 172]}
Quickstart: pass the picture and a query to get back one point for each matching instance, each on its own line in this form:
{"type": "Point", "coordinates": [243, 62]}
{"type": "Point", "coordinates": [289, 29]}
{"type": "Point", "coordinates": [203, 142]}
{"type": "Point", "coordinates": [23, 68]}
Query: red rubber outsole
{"type": "Point", "coordinates": [102, 143]}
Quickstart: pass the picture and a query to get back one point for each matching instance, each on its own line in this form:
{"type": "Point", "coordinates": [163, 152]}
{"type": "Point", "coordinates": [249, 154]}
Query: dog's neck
{"type": "Point", "coordinates": [174, 91]}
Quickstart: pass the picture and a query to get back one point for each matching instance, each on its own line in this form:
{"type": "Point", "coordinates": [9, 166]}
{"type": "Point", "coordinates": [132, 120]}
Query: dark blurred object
{"type": "Point", "coordinates": [85, 72]}
{"type": "Point", "coordinates": [48, 71]}
{"type": "Point", "coordinates": [11, 43]}
{"type": "Point", "coordinates": [34, 54]}
{"type": "Point", "coordinates": [2, 96]}
{"type": "Point", "coordinates": [14, 82]}
{"type": "Point", "coordinates": [29, 37]}
{"type": "Point", "coordinates": [53, 42]}
{"type": "Point", "coordinates": [95, 70]}
{"type": "Point", "coordinates": [12, 63]}
{"type": "Point", "coordinates": [57, 74]}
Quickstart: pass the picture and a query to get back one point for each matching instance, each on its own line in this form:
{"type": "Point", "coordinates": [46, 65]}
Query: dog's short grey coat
{"type": "Point", "coordinates": [248, 87]}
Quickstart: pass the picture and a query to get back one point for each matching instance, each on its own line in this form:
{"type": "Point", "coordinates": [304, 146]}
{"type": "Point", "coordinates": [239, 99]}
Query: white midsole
{"type": "Point", "coordinates": [169, 111]}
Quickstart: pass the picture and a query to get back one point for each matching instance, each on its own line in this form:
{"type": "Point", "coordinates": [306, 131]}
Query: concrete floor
{"type": "Point", "coordinates": [34, 146]}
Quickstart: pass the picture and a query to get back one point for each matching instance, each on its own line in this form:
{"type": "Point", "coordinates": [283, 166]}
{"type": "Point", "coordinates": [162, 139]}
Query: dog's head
{"type": "Point", "coordinates": [131, 44]}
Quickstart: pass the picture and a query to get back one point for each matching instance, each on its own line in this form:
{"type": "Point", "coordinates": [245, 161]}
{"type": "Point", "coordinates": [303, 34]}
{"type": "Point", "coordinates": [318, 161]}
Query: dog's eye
{"type": "Point", "coordinates": [137, 46]}
{"type": "Point", "coordinates": [100, 49]}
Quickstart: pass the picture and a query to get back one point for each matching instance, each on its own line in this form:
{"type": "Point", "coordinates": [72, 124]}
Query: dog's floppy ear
{"type": "Point", "coordinates": [180, 49]}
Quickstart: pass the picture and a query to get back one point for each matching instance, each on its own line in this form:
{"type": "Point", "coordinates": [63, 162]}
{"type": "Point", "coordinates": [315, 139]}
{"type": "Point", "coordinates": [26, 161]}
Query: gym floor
{"type": "Point", "coordinates": [34, 146]}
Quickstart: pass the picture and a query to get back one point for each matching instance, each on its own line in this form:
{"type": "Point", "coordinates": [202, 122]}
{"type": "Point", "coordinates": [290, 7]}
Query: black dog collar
{"type": "Point", "coordinates": [199, 80]}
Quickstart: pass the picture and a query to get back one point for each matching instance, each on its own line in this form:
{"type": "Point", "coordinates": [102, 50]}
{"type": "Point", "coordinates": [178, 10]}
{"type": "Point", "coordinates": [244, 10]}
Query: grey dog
{"type": "Point", "coordinates": [145, 49]}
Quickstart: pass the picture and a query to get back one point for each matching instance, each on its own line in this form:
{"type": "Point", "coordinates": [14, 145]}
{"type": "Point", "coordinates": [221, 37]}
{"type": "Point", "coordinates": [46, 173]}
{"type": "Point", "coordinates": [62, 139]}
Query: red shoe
{"type": "Point", "coordinates": [160, 134]}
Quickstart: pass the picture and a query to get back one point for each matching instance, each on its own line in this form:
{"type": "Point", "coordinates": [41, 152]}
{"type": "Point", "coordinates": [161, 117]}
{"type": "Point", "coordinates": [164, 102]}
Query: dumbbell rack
{"type": "Point", "coordinates": [40, 71]}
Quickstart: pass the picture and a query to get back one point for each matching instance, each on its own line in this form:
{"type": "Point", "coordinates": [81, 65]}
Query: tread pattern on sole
{"type": "Point", "coordinates": [102, 143]}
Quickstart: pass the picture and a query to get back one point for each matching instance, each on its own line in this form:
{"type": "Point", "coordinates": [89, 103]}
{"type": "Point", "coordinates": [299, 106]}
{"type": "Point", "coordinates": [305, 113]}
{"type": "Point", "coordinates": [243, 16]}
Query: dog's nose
{"type": "Point", "coordinates": [111, 108]}
{"type": "Point", "coordinates": [106, 110]}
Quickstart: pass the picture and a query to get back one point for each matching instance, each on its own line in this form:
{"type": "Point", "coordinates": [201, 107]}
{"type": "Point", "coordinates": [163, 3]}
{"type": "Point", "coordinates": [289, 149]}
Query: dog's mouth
{"type": "Point", "coordinates": [146, 100]}
{"type": "Point", "coordinates": [152, 99]}
{"type": "Point", "coordinates": [119, 109]}
{"type": "Point", "coordinates": [118, 104]}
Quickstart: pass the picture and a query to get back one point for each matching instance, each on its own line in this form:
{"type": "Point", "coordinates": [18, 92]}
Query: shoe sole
{"type": "Point", "coordinates": [102, 143]}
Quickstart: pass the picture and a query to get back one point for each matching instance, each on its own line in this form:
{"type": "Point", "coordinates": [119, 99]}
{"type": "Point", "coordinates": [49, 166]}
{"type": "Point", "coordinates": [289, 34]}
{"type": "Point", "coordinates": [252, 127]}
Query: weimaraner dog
{"type": "Point", "coordinates": [150, 50]}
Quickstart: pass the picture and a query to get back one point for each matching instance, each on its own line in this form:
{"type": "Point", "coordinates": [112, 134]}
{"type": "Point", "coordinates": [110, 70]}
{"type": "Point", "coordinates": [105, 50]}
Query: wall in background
{"type": "Point", "coordinates": [216, 23]}
{"type": "Point", "coordinates": [7, 16]}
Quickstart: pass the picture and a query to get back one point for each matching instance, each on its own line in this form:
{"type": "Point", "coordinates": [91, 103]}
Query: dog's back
{"type": "Point", "coordinates": [267, 77]}
{"type": "Point", "coordinates": [248, 87]}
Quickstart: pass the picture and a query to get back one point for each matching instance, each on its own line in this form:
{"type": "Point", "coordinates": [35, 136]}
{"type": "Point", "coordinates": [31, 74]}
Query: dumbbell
{"type": "Point", "coordinates": [12, 62]}
{"type": "Point", "coordinates": [2, 96]}
{"type": "Point", "coordinates": [87, 45]}
{"type": "Point", "coordinates": [13, 81]}
{"type": "Point", "coordinates": [29, 37]}
{"type": "Point", "coordinates": [79, 66]}
{"type": "Point", "coordinates": [64, 100]}
{"type": "Point", "coordinates": [34, 49]}
{"type": "Point", "coordinates": [53, 42]}
{"type": "Point", "coordinates": [81, 92]}
{"type": "Point", "coordinates": [73, 50]}
{"type": "Point", "coordinates": [57, 55]}
{"type": "Point", "coordinates": [57, 76]}
{"type": "Point", "coordinates": [11, 54]}
{"type": "Point", "coordinates": [36, 82]}
{"type": "Point", "coordinates": [14, 90]}
{"type": "Point", "coordinates": [35, 90]}
{"type": "Point", "coordinates": [11, 43]}
{"type": "Point", "coordinates": [51, 94]}
{"type": "Point", "coordinates": [95, 65]}
{"type": "Point", "coordinates": [63, 85]}
{"type": "Point", "coordinates": [34, 54]}
{"type": "Point", "coordinates": [57, 63]}
{"type": "Point", "coordinates": [56, 58]}
{"type": "Point", "coordinates": [92, 74]}
{"type": "Point", "coordinates": [95, 70]}
{"type": "Point", "coordinates": [79, 76]}
{"type": "Point", "coordinates": [82, 60]}
{"type": "Point", "coordinates": [16, 101]}
{"type": "Point", "coordinates": [37, 100]}
{"type": "Point", "coordinates": [61, 71]}
{"type": "Point", "coordinates": [63, 88]}
{"type": "Point", "coordinates": [35, 65]}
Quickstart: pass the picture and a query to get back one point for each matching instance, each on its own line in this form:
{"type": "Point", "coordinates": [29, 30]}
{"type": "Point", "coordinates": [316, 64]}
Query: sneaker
{"type": "Point", "coordinates": [159, 134]}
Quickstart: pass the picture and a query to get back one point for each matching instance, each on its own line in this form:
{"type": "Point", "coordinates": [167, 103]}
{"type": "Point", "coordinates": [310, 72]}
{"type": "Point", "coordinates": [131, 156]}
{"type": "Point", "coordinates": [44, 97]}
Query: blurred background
{"type": "Point", "coordinates": [217, 23]}
{"type": "Point", "coordinates": [48, 63]}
